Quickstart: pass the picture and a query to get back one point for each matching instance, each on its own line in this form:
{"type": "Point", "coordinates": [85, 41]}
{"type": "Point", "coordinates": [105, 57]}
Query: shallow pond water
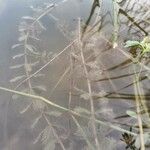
{"type": "Point", "coordinates": [41, 66]}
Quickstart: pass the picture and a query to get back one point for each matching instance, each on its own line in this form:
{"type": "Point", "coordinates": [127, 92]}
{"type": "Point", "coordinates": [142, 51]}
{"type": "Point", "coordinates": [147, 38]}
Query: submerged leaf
{"type": "Point", "coordinates": [50, 145]}
{"type": "Point", "coordinates": [34, 63]}
{"type": "Point", "coordinates": [28, 17]}
{"type": "Point", "coordinates": [25, 109]}
{"type": "Point", "coordinates": [39, 75]}
{"type": "Point", "coordinates": [54, 113]}
{"type": "Point", "coordinates": [41, 88]}
{"type": "Point", "coordinates": [132, 43]}
{"type": "Point", "coordinates": [15, 96]}
{"type": "Point", "coordinates": [38, 105]}
{"type": "Point", "coordinates": [16, 66]}
{"type": "Point", "coordinates": [131, 113]}
{"type": "Point", "coordinates": [31, 48]}
{"type": "Point", "coordinates": [85, 96]}
{"type": "Point", "coordinates": [28, 67]}
{"type": "Point", "coordinates": [16, 45]}
{"type": "Point", "coordinates": [36, 121]}
{"type": "Point", "coordinates": [146, 137]}
{"type": "Point", "coordinates": [82, 110]}
{"type": "Point", "coordinates": [17, 78]}
{"type": "Point", "coordinates": [47, 135]}
{"type": "Point", "coordinates": [18, 55]}
{"type": "Point", "coordinates": [22, 38]}
{"type": "Point", "coordinates": [41, 25]}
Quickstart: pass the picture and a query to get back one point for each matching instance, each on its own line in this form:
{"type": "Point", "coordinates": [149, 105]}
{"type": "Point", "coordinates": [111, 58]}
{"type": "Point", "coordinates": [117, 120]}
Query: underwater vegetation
{"type": "Point", "coordinates": [94, 93]}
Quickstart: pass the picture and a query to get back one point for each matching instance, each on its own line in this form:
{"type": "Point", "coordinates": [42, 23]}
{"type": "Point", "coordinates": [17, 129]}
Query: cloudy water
{"type": "Point", "coordinates": [73, 74]}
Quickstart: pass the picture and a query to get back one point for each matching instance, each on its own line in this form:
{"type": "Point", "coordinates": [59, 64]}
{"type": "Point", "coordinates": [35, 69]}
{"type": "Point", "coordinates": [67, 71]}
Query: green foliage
{"type": "Point", "coordinates": [144, 45]}
{"type": "Point", "coordinates": [132, 43]}
{"type": "Point", "coordinates": [131, 114]}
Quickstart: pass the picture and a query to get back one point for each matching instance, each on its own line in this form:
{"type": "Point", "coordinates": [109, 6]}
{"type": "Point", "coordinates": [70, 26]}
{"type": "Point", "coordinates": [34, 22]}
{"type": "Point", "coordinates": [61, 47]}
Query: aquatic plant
{"type": "Point", "coordinates": [144, 45]}
{"type": "Point", "coordinates": [89, 118]}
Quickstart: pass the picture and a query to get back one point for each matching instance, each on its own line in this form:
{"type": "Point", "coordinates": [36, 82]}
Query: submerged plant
{"type": "Point", "coordinates": [129, 140]}
{"type": "Point", "coordinates": [134, 142]}
{"type": "Point", "coordinates": [96, 126]}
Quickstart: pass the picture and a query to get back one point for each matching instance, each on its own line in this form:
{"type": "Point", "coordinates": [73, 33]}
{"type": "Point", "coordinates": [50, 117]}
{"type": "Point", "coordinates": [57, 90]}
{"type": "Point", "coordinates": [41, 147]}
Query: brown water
{"type": "Point", "coordinates": [111, 76]}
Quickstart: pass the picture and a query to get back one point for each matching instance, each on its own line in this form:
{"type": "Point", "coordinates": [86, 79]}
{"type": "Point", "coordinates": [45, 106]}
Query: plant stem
{"type": "Point", "coordinates": [50, 103]}
{"type": "Point", "coordinates": [89, 88]}
{"type": "Point", "coordinates": [32, 75]}
{"type": "Point", "coordinates": [137, 100]}
{"type": "Point", "coordinates": [55, 133]}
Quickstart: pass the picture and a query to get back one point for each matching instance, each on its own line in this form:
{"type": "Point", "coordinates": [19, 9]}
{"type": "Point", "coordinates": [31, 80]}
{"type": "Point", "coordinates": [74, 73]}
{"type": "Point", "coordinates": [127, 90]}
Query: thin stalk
{"type": "Point", "coordinates": [45, 12]}
{"type": "Point", "coordinates": [59, 81]}
{"type": "Point", "coordinates": [83, 133]}
{"type": "Point", "coordinates": [50, 103]}
{"type": "Point", "coordinates": [71, 84]}
{"type": "Point", "coordinates": [139, 115]}
{"type": "Point", "coordinates": [116, 23]}
{"type": "Point", "coordinates": [26, 62]}
{"type": "Point", "coordinates": [55, 134]}
{"type": "Point", "coordinates": [49, 62]}
{"type": "Point", "coordinates": [89, 88]}
{"type": "Point", "coordinates": [141, 92]}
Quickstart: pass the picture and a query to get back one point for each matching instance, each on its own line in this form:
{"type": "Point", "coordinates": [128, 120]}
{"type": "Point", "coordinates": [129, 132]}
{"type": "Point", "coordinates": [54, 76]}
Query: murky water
{"type": "Point", "coordinates": [110, 72]}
